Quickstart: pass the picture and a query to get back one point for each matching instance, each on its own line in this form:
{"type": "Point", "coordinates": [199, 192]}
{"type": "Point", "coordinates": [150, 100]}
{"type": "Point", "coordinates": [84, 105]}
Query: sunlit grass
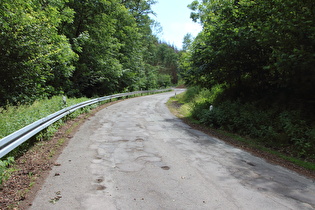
{"type": "Point", "coordinates": [13, 118]}
{"type": "Point", "coordinates": [184, 109]}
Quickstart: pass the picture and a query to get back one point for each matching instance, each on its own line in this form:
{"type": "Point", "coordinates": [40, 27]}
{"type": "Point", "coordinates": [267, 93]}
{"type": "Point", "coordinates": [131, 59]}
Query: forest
{"type": "Point", "coordinates": [80, 48]}
{"type": "Point", "coordinates": [254, 63]}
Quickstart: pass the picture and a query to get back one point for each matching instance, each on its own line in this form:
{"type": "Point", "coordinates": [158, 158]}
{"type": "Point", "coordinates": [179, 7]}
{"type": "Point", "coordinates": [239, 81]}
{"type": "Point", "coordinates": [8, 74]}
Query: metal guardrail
{"type": "Point", "coordinates": [10, 142]}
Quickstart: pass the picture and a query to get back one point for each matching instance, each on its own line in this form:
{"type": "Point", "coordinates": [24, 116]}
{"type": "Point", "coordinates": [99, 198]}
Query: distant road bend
{"type": "Point", "coordinates": [136, 155]}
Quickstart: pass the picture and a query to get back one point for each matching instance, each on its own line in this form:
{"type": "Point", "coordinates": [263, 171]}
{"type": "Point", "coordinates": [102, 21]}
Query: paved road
{"type": "Point", "coordinates": [137, 155]}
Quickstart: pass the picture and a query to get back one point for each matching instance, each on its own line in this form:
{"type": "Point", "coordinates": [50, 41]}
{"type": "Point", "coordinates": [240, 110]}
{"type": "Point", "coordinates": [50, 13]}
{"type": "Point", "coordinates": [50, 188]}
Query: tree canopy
{"type": "Point", "coordinates": [34, 56]}
{"type": "Point", "coordinates": [79, 48]}
{"type": "Point", "coordinates": [255, 48]}
{"type": "Point", "coordinates": [254, 62]}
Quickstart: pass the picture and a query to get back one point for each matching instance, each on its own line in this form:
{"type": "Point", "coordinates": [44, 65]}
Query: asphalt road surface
{"type": "Point", "coordinates": [136, 155]}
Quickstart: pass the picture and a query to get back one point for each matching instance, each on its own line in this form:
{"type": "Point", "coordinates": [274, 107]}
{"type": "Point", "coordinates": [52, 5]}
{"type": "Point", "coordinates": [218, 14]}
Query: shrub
{"type": "Point", "coordinates": [13, 118]}
{"type": "Point", "coordinates": [272, 127]}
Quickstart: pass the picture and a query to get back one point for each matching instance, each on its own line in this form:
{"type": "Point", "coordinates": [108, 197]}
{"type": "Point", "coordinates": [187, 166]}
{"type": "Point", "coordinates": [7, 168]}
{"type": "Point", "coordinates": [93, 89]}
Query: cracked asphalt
{"type": "Point", "coordinates": [136, 155]}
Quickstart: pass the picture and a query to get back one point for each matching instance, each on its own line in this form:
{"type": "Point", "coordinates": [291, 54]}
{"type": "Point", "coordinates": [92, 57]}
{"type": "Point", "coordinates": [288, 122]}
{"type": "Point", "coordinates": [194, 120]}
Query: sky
{"type": "Point", "coordinates": [174, 17]}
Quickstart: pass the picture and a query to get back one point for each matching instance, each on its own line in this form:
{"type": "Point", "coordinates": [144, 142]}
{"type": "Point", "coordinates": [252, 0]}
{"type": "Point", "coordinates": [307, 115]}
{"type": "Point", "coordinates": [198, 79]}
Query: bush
{"type": "Point", "coordinates": [300, 134]}
{"type": "Point", "coordinates": [13, 118]}
{"type": "Point", "coordinates": [164, 80]}
{"type": "Point", "coordinates": [272, 127]}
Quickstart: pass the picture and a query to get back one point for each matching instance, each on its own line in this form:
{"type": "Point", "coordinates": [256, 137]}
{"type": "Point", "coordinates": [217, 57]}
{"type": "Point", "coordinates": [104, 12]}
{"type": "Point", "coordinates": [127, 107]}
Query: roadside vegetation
{"type": "Point", "coordinates": [279, 132]}
{"type": "Point", "coordinates": [13, 118]}
{"type": "Point", "coordinates": [80, 49]}
{"type": "Point", "coordinates": [254, 63]}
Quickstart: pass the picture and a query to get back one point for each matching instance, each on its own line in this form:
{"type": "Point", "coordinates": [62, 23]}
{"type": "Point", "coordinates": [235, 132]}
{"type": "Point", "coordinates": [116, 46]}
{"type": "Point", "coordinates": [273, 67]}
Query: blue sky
{"type": "Point", "coordinates": [174, 17]}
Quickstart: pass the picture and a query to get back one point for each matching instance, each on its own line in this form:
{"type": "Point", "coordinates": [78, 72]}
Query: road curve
{"type": "Point", "coordinates": [136, 155]}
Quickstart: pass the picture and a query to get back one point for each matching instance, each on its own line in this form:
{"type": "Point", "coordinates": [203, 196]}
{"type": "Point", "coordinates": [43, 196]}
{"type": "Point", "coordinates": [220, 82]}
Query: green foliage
{"type": "Point", "coordinates": [187, 41]}
{"type": "Point", "coordinates": [190, 94]}
{"type": "Point", "coordinates": [34, 57]}
{"type": "Point", "coordinates": [92, 31]}
{"type": "Point", "coordinates": [166, 58]}
{"type": "Point", "coordinates": [198, 95]}
{"type": "Point", "coordinates": [276, 128]}
{"type": "Point", "coordinates": [5, 169]}
{"type": "Point", "coordinates": [262, 54]}
{"type": "Point", "coordinates": [13, 118]}
{"type": "Point", "coordinates": [79, 48]}
{"type": "Point", "coordinates": [258, 47]}
{"type": "Point", "coordinates": [164, 80]}
{"type": "Point", "coordinates": [300, 133]}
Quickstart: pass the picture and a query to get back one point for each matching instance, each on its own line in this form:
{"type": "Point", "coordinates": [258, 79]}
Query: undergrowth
{"type": "Point", "coordinates": [283, 131]}
{"type": "Point", "coordinates": [13, 118]}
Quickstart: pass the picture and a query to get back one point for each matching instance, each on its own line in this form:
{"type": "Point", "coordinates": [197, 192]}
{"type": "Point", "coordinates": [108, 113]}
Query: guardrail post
{"type": "Point", "coordinates": [64, 100]}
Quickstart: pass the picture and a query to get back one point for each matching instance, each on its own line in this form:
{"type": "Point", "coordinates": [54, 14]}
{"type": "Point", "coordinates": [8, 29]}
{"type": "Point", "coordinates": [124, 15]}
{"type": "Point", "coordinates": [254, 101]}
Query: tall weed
{"type": "Point", "coordinates": [13, 118]}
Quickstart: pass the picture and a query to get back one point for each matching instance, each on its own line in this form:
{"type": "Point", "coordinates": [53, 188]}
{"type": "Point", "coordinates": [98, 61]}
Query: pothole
{"type": "Point", "coordinates": [99, 180]}
{"type": "Point", "coordinates": [123, 140]}
{"type": "Point", "coordinates": [165, 167]}
{"type": "Point", "coordinates": [100, 187]}
{"type": "Point", "coordinates": [249, 163]}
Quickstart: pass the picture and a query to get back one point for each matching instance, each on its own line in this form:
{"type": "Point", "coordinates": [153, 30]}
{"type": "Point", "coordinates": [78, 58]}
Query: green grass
{"type": "Point", "coordinates": [13, 118]}
{"type": "Point", "coordinates": [255, 144]}
{"type": "Point", "coordinates": [184, 108]}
